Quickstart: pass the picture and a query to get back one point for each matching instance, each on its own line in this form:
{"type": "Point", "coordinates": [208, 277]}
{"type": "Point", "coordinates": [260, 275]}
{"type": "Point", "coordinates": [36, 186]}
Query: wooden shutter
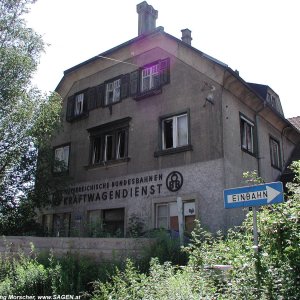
{"type": "Point", "coordinates": [165, 71]}
{"type": "Point", "coordinates": [85, 102]}
{"type": "Point", "coordinates": [91, 98]}
{"type": "Point", "coordinates": [70, 108]}
{"type": "Point", "coordinates": [134, 83]}
{"type": "Point", "coordinates": [125, 86]}
{"type": "Point", "coordinates": [100, 95]}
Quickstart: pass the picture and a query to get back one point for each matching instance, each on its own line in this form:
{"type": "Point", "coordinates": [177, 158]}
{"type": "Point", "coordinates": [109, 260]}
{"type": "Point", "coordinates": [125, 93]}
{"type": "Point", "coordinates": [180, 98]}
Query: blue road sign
{"type": "Point", "coordinates": [256, 195]}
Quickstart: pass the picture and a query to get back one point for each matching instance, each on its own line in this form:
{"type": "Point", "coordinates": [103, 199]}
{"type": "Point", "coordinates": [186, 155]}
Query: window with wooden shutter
{"type": "Point", "coordinates": [100, 95]}
{"type": "Point", "coordinates": [148, 81]}
{"type": "Point", "coordinates": [91, 98]}
{"type": "Point", "coordinates": [70, 108]}
{"type": "Point", "coordinates": [112, 91]}
{"type": "Point", "coordinates": [77, 106]}
{"type": "Point", "coordinates": [165, 71]}
{"type": "Point", "coordinates": [125, 79]}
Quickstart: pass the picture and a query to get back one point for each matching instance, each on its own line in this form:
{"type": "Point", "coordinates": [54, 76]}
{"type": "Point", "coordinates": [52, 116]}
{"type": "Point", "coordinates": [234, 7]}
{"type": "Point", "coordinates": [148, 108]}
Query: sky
{"type": "Point", "coordinates": [259, 38]}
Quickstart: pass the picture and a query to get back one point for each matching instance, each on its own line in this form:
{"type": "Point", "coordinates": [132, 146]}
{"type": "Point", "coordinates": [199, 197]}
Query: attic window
{"type": "Point", "coordinates": [113, 91]}
{"type": "Point", "coordinates": [78, 107]}
{"type": "Point", "coordinates": [148, 80]}
{"type": "Point", "coordinates": [271, 100]}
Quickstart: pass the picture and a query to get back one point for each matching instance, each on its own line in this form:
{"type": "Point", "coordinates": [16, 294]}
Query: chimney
{"type": "Point", "coordinates": [186, 36]}
{"type": "Point", "coordinates": [147, 18]}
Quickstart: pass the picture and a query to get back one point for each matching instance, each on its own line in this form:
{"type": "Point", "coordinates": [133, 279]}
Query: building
{"type": "Point", "coordinates": [153, 122]}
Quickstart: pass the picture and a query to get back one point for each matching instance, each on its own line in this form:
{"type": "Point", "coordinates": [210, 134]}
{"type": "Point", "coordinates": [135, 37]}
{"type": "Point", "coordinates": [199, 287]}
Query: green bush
{"type": "Point", "coordinates": [164, 282]}
{"type": "Point", "coordinates": [165, 248]}
{"type": "Point", "coordinates": [24, 276]}
{"type": "Point", "coordinates": [272, 273]}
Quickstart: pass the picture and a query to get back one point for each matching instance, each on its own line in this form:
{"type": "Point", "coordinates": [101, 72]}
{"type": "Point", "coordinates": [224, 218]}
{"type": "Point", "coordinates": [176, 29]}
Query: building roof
{"type": "Point", "coordinates": [159, 29]}
{"type": "Point", "coordinates": [261, 89]}
{"type": "Point", "coordinates": [295, 121]}
{"type": "Point", "coordinates": [258, 89]}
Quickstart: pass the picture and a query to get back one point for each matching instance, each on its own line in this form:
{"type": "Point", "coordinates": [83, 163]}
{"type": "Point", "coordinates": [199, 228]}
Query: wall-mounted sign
{"type": "Point", "coordinates": [152, 184]}
{"type": "Point", "coordinates": [174, 181]}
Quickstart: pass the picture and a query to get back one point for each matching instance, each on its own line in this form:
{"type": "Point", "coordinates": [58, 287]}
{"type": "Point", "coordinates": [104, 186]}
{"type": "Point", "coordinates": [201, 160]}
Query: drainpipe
{"type": "Point", "coordinates": [257, 139]}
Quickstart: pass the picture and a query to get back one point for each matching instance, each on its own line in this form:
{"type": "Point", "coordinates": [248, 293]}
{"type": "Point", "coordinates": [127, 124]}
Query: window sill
{"type": "Point", "coordinates": [276, 167]}
{"type": "Point", "coordinates": [107, 164]}
{"type": "Point", "coordinates": [60, 174]}
{"type": "Point", "coordinates": [173, 150]}
{"type": "Point", "coordinates": [78, 118]}
{"type": "Point", "coordinates": [147, 94]}
{"type": "Point", "coordinates": [111, 103]}
{"type": "Point", "coordinates": [248, 152]}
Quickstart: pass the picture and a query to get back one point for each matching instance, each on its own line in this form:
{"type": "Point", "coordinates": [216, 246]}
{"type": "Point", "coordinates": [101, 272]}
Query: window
{"type": "Point", "coordinates": [113, 221]}
{"type": "Point", "coordinates": [148, 80]}
{"type": "Point", "coordinates": [61, 159]}
{"type": "Point", "coordinates": [109, 142]}
{"type": "Point", "coordinates": [275, 153]}
{"type": "Point", "coordinates": [162, 216]}
{"type": "Point", "coordinates": [271, 99]}
{"type": "Point", "coordinates": [113, 91]}
{"type": "Point", "coordinates": [167, 215]}
{"type": "Point", "coordinates": [247, 135]}
{"type": "Point", "coordinates": [174, 132]}
{"type": "Point", "coordinates": [61, 224]}
{"type": "Point", "coordinates": [78, 107]}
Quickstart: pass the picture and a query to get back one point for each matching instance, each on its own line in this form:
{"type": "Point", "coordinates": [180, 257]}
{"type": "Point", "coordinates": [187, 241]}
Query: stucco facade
{"type": "Point", "coordinates": [154, 119]}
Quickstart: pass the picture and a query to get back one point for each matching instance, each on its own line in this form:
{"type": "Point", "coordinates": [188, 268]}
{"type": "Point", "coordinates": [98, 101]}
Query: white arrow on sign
{"type": "Point", "coordinates": [269, 194]}
{"type": "Point", "coordinates": [272, 193]}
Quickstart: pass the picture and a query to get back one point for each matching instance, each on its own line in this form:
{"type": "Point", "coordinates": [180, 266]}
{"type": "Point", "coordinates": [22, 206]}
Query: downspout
{"type": "Point", "coordinates": [283, 152]}
{"type": "Point", "coordinates": [257, 139]}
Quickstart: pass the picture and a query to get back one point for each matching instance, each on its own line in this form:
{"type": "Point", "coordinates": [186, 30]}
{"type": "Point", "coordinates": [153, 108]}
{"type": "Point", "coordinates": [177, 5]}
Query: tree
{"type": "Point", "coordinates": [27, 116]}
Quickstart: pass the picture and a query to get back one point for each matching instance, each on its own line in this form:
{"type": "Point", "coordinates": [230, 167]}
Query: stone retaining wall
{"type": "Point", "coordinates": [101, 249]}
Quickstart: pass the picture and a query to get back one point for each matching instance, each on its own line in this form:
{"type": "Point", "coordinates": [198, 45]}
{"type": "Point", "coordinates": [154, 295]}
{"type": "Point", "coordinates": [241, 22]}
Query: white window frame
{"type": "Point", "coordinates": [113, 87]}
{"type": "Point", "coordinates": [149, 73]}
{"type": "Point", "coordinates": [175, 132]}
{"type": "Point", "coordinates": [100, 143]}
{"type": "Point", "coordinates": [106, 145]}
{"type": "Point", "coordinates": [96, 147]}
{"type": "Point", "coordinates": [118, 152]}
{"type": "Point", "coordinates": [157, 217]}
{"type": "Point", "coordinates": [171, 208]}
{"type": "Point", "coordinates": [61, 154]}
{"type": "Point", "coordinates": [78, 107]}
{"type": "Point", "coordinates": [246, 144]}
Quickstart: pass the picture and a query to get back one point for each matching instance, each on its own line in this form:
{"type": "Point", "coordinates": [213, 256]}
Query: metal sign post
{"type": "Point", "coordinates": [255, 233]}
{"type": "Point", "coordinates": [253, 196]}
{"type": "Point", "coordinates": [180, 220]}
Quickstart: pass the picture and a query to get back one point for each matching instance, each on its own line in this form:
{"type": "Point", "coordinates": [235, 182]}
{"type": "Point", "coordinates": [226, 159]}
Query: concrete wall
{"type": "Point", "coordinates": [187, 91]}
{"type": "Point", "coordinates": [214, 159]}
{"type": "Point", "coordinates": [100, 249]}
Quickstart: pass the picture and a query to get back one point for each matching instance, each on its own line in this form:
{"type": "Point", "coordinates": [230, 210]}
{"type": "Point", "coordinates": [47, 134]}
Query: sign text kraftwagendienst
{"type": "Point", "coordinates": [115, 189]}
